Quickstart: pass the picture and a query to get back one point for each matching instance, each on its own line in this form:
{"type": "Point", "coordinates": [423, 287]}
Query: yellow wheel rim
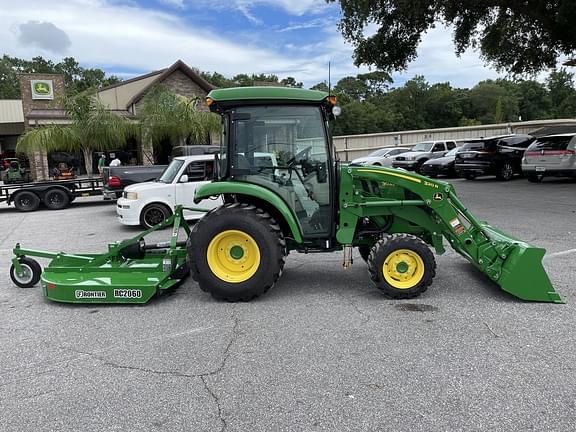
{"type": "Point", "coordinates": [233, 256]}
{"type": "Point", "coordinates": [403, 269]}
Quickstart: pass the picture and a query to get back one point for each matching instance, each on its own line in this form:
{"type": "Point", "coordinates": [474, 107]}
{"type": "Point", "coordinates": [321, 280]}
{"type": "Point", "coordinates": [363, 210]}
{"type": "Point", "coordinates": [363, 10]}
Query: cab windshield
{"type": "Point", "coordinates": [285, 149]}
{"type": "Point", "coordinates": [171, 170]}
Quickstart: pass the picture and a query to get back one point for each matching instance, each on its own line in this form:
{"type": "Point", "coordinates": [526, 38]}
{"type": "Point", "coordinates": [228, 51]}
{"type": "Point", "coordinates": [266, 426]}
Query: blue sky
{"type": "Point", "coordinates": [284, 37]}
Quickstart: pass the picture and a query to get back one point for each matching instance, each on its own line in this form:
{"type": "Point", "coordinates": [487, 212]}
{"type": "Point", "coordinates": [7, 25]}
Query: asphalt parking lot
{"type": "Point", "coordinates": [322, 351]}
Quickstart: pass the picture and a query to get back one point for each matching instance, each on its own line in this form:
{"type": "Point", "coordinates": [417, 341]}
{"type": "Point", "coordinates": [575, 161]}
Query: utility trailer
{"type": "Point", "coordinates": [54, 194]}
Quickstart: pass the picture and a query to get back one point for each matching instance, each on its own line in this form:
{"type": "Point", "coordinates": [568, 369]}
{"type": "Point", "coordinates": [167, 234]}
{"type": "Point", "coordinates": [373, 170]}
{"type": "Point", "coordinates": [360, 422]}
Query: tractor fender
{"type": "Point", "coordinates": [252, 190]}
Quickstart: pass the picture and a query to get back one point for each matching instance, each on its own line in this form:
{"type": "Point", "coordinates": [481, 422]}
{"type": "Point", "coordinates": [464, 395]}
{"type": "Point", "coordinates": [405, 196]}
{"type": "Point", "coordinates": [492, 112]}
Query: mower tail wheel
{"type": "Point", "coordinates": [56, 199]}
{"type": "Point", "coordinates": [401, 266]}
{"type": "Point", "coordinates": [30, 275]}
{"type": "Point", "coordinates": [236, 252]}
{"type": "Point", "coordinates": [26, 201]}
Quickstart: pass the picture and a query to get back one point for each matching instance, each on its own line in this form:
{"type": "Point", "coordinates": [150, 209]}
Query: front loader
{"type": "Point", "coordinates": [283, 191]}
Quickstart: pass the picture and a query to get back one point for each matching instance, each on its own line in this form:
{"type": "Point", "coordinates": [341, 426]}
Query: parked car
{"type": "Point", "coordinates": [499, 155]}
{"type": "Point", "coordinates": [422, 152]}
{"type": "Point", "coordinates": [441, 166]}
{"type": "Point", "coordinates": [149, 203]}
{"type": "Point", "coordinates": [117, 178]}
{"type": "Point", "coordinates": [380, 157]}
{"type": "Point", "coordinates": [552, 155]}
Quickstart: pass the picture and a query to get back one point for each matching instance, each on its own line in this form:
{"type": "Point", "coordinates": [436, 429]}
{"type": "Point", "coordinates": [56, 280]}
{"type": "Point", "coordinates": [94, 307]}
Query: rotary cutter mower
{"type": "Point", "coordinates": [132, 271]}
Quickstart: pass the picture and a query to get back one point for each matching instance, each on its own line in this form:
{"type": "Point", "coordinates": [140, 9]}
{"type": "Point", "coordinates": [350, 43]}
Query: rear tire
{"type": "Point", "coordinates": [401, 266]}
{"type": "Point", "coordinates": [236, 252]}
{"type": "Point", "coordinates": [535, 178]}
{"type": "Point", "coordinates": [505, 172]}
{"type": "Point", "coordinates": [153, 214]}
{"type": "Point", "coordinates": [26, 201]}
{"type": "Point", "coordinates": [31, 273]}
{"type": "Point", "coordinates": [418, 168]}
{"type": "Point", "coordinates": [469, 175]}
{"type": "Point", "coordinates": [56, 199]}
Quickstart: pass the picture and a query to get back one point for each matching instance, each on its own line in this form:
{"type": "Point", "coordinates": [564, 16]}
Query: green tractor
{"type": "Point", "coordinates": [15, 173]}
{"type": "Point", "coordinates": [284, 190]}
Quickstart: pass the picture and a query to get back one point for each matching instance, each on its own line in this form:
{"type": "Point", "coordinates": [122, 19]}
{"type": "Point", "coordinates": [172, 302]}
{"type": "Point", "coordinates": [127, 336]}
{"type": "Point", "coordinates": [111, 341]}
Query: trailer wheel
{"type": "Point", "coordinates": [153, 214]}
{"type": "Point", "coordinates": [401, 266]}
{"type": "Point", "coordinates": [236, 252]}
{"type": "Point", "coordinates": [56, 199]}
{"type": "Point", "coordinates": [31, 272]}
{"type": "Point", "coordinates": [26, 201]}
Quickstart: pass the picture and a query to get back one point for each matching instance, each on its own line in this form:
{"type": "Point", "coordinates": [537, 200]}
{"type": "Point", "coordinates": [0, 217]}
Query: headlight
{"type": "Point", "coordinates": [131, 195]}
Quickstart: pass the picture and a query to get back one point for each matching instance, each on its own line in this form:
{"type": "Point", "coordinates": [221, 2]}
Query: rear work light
{"type": "Point", "coordinates": [114, 181]}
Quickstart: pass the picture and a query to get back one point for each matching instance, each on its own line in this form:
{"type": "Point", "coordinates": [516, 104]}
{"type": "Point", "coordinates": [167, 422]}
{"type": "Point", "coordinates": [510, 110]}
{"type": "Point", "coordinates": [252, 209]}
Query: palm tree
{"type": "Point", "coordinates": [92, 128]}
{"type": "Point", "coordinates": [165, 115]}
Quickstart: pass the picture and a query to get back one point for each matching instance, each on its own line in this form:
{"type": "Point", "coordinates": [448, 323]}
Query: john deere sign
{"type": "Point", "coordinates": [42, 89]}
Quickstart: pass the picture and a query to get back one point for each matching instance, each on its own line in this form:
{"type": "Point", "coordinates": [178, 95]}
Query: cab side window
{"type": "Point", "coordinates": [451, 145]}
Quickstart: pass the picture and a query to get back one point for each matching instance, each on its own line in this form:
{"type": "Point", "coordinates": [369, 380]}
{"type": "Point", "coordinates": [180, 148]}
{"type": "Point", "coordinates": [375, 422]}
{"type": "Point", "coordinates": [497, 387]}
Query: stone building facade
{"type": "Point", "coordinates": [36, 105]}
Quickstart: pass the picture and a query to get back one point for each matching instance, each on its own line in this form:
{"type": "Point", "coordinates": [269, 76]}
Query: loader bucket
{"type": "Point", "coordinates": [520, 272]}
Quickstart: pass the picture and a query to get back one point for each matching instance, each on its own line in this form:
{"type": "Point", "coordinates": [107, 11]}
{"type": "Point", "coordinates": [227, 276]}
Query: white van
{"type": "Point", "coordinates": [149, 203]}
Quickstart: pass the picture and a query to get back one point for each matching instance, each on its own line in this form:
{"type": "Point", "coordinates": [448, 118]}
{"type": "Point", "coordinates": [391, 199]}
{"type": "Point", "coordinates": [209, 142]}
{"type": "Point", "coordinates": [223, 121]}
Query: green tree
{"type": "Point", "coordinates": [291, 82]}
{"type": "Point", "coordinates": [217, 79]}
{"type": "Point", "coordinates": [409, 103]}
{"type": "Point", "coordinates": [320, 86]}
{"type": "Point", "coordinates": [484, 98]}
{"type": "Point", "coordinates": [533, 100]}
{"type": "Point", "coordinates": [521, 37]}
{"type": "Point", "coordinates": [166, 115]}
{"type": "Point", "coordinates": [562, 93]}
{"type": "Point", "coordinates": [92, 128]}
{"type": "Point", "coordinates": [76, 78]}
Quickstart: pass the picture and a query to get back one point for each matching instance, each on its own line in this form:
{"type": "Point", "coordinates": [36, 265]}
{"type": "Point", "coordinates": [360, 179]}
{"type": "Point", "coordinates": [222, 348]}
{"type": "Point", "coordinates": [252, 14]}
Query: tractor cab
{"type": "Point", "coordinates": [294, 133]}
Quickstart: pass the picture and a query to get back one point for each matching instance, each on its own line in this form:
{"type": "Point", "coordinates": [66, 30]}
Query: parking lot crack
{"type": "Point", "coordinates": [221, 366]}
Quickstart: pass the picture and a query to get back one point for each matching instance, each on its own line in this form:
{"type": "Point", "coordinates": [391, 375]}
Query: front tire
{"type": "Point", "coordinates": [505, 172]}
{"type": "Point", "coordinates": [236, 252]}
{"type": "Point", "coordinates": [31, 272]}
{"type": "Point", "coordinates": [153, 214]}
{"type": "Point", "coordinates": [401, 266]}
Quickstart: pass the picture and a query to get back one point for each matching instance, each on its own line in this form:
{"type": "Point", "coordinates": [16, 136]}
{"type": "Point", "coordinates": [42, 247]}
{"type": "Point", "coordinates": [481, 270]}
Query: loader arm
{"type": "Point", "coordinates": [431, 210]}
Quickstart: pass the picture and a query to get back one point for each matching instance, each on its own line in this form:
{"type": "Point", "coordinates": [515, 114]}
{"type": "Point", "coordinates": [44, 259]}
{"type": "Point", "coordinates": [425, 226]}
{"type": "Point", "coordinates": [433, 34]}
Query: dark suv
{"type": "Point", "coordinates": [499, 155]}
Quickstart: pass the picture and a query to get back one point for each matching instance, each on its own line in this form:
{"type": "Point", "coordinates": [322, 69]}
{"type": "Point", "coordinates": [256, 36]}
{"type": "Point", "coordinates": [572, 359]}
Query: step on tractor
{"type": "Point", "coordinates": [301, 198]}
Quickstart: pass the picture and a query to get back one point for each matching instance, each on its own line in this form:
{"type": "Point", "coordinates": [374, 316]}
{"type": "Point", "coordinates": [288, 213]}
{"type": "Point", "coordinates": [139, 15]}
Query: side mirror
{"type": "Point", "coordinates": [184, 178]}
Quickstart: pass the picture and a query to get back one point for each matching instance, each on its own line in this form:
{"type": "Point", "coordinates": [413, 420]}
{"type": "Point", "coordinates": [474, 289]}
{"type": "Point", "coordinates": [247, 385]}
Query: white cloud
{"type": "Point", "coordinates": [292, 7]}
{"type": "Point", "coordinates": [177, 3]}
{"type": "Point", "coordinates": [437, 62]}
{"type": "Point", "coordinates": [123, 36]}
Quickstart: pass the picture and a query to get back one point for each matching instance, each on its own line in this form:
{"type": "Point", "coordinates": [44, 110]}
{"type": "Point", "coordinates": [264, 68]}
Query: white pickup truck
{"type": "Point", "coordinates": [149, 203]}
